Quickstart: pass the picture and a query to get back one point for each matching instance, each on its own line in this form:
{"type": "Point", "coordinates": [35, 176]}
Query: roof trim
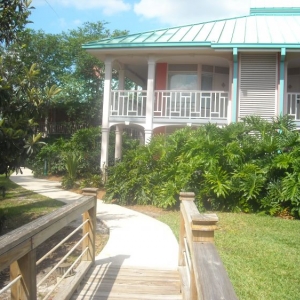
{"type": "Point", "coordinates": [256, 46]}
{"type": "Point", "coordinates": [146, 45]}
{"type": "Point", "coordinates": [278, 11]}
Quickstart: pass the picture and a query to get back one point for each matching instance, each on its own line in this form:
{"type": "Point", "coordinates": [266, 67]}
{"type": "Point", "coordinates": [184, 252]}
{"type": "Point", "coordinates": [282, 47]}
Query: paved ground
{"type": "Point", "coordinates": [135, 239]}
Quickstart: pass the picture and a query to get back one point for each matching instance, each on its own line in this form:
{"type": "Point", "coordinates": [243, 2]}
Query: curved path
{"type": "Point", "coordinates": [135, 239]}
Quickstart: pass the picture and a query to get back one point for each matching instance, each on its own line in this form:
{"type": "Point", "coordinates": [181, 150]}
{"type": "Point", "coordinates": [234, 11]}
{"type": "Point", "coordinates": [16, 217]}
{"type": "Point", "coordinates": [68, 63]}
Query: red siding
{"type": "Point", "coordinates": [161, 76]}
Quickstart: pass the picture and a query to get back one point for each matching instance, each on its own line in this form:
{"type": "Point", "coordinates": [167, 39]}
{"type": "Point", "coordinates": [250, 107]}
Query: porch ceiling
{"type": "Point", "coordinates": [137, 65]}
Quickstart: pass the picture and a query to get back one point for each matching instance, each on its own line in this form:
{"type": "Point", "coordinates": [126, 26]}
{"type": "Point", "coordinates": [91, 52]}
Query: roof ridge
{"type": "Point", "coordinates": [274, 11]}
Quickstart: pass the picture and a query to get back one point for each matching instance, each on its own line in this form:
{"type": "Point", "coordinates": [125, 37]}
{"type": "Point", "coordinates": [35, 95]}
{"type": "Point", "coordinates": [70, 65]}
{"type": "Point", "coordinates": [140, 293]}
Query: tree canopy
{"type": "Point", "coordinates": [22, 100]}
{"type": "Point", "coordinates": [13, 18]}
{"type": "Point", "coordinates": [39, 72]}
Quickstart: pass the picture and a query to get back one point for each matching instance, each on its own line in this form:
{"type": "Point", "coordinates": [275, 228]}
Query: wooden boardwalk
{"type": "Point", "coordinates": [116, 283]}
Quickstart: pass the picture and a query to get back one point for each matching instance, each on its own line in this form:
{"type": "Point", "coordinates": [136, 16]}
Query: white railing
{"type": "Point", "coordinates": [293, 105]}
{"type": "Point", "coordinates": [191, 104]}
{"type": "Point", "coordinates": [171, 104]}
{"type": "Point", "coordinates": [128, 103]}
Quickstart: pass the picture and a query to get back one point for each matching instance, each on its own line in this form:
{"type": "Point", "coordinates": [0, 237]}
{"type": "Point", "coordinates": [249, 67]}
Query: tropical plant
{"type": "Point", "coordinates": [248, 166]}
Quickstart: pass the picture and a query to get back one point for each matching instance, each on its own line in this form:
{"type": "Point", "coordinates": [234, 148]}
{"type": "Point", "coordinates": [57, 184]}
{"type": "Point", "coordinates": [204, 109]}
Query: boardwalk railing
{"type": "Point", "coordinates": [203, 275]}
{"type": "Point", "coordinates": [18, 249]}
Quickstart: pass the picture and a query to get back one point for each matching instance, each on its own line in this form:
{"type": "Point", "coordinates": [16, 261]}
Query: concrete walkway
{"type": "Point", "coordinates": [135, 239]}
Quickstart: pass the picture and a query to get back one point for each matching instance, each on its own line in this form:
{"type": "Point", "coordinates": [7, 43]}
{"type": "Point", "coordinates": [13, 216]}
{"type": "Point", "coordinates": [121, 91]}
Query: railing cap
{"type": "Point", "coordinates": [187, 196]}
{"type": "Point", "coordinates": [205, 218]}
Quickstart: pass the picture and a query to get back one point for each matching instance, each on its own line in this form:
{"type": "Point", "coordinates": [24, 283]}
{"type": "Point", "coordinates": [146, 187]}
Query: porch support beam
{"type": "Point", "coordinates": [282, 77]}
{"type": "Point", "coordinates": [234, 85]}
{"type": "Point", "coordinates": [118, 144]}
{"type": "Point", "coordinates": [119, 128]}
{"type": "Point", "coordinates": [150, 98]}
{"type": "Point", "coordinates": [105, 113]}
{"type": "Point", "coordinates": [121, 85]}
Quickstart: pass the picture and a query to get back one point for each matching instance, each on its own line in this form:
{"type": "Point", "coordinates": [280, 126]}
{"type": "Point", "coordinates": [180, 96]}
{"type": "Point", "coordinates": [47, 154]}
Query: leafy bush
{"type": "Point", "coordinates": [247, 166]}
{"type": "Point", "coordinates": [92, 180]}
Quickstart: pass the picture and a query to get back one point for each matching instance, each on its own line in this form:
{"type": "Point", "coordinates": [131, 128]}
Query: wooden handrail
{"type": "Point", "coordinates": [206, 277]}
{"type": "Point", "coordinates": [18, 247]}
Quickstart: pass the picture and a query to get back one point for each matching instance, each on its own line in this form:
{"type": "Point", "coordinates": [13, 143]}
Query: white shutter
{"type": "Point", "coordinates": [258, 85]}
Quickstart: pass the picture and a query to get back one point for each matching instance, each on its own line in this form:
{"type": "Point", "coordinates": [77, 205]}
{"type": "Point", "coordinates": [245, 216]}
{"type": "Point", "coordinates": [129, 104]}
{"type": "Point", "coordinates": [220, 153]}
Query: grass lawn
{"type": "Point", "coordinates": [261, 254]}
{"type": "Point", "coordinates": [21, 206]}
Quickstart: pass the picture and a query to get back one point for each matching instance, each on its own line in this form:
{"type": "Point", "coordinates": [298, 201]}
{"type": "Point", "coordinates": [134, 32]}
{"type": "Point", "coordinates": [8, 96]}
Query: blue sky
{"type": "Point", "coordinates": [55, 16]}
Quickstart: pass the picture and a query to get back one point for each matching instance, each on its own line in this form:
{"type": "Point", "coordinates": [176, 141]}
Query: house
{"type": "Point", "coordinates": [218, 71]}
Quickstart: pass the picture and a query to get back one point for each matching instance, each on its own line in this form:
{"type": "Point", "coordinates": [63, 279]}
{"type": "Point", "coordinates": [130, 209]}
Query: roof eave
{"type": "Point", "coordinates": [146, 45]}
{"type": "Point", "coordinates": [255, 46]}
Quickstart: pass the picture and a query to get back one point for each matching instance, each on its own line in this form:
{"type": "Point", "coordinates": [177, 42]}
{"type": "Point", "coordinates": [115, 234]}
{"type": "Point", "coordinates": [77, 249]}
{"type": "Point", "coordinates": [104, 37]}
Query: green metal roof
{"type": "Point", "coordinates": [268, 27]}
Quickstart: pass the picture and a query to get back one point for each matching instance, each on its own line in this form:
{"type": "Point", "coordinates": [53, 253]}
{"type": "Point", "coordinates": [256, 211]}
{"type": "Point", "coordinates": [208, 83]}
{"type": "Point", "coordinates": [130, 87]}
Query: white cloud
{"type": "Point", "coordinates": [181, 12]}
{"type": "Point", "coordinates": [77, 22]}
{"type": "Point", "coordinates": [108, 7]}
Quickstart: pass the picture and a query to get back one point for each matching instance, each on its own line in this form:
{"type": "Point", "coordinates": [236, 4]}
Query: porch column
{"type": "Point", "coordinates": [230, 87]}
{"type": "Point", "coordinates": [234, 85]}
{"type": "Point", "coordinates": [118, 145]}
{"type": "Point", "coordinates": [121, 84]}
{"type": "Point", "coordinates": [105, 113]}
{"type": "Point", "coordinates": [150, 99]}
{"type": "Point", "coordinates": [119, 128]}
{"type": "Point", "coordinates": [282, 77]}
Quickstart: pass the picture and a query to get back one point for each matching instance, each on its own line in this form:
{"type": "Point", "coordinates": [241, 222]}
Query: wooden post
{"type": "Point", "coordinates": [25, 288]}
{"type": "Point", "coordinates": [90, 227]}
{"type": "Point", "coordinates": [182, 234]}
{"type": "Point", "coordinates": [186, 196]}
{"type": "Point", "coordinates": [90, 191]}
{"type": "Point", "coordinates": [190, 196]}
{"type": "Point", "coordinates": [203, 227]}
{"type": "Point", "coordinates": [181, 241]}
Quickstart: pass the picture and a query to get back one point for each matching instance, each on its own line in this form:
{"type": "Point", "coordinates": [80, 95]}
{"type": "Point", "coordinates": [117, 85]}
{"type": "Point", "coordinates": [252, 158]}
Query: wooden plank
{"type": "Point", "coordinates": [187, 221]}
{"type": "Point", "coordinates": [185, 288]}
{"type": "Point", "coordinates": [150, 279]}
{"type": "Point", "coordinates": [70, 284]}
{"type": "Point", "coordinates": [109, 269]}
{"type": "Point", "coordinates": [112, 282]}
{"type": "Point", "coordinates": [137, 288]}
{"type": "Point", "coordinates": [211, 277]}
{"type": "Point", "coordinates": [90, 228]}
{"type": "Point", "coordinates": [121, 296]}
{"type": "Point", "coordinates": [182, 235]}
{"type": "Point", "coordinates": [25, 288]}
{"type": "Point", "coordinates": [14, 254]}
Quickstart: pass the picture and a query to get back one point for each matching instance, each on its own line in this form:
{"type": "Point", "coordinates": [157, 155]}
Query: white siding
{"type": "Point", "coordinates": [258, 85]}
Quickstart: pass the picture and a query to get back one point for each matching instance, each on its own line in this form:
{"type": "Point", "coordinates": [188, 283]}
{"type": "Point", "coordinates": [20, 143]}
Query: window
{"type": "Point", "coordinates": [183, 77]}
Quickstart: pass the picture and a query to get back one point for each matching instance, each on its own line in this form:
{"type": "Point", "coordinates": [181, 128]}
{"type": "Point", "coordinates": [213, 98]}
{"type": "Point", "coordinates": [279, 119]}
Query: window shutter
{"type": "Point", "coordinates": [258, 85]}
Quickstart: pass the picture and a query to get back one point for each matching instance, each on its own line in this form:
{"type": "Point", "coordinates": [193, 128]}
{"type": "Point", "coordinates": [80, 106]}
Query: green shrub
{"type": "Point", "coordinates": [233, 168]}
{"type": "Point", "coordinates": [91, 180]}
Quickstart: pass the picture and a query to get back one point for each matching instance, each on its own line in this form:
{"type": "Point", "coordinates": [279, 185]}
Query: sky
{"type": "Point", "coordinates": [55, 16]}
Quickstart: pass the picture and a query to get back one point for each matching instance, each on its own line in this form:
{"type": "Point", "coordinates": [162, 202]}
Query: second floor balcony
{"type": "Point", "coordinates": [170, 105]}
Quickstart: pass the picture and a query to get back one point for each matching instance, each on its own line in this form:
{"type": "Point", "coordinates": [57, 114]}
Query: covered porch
{"type": "Point", "coordinates": [170, 90]}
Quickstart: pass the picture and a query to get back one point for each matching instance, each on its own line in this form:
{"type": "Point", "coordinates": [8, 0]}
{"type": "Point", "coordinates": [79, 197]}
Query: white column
{"type": "Point", "coordinates": [118, 145]}
{"type": "Point", "coordinates": [105, 115]}
{"type": "Point", "coordinates": [150, 99]}
{"type": "Point", "coordinates": [119, 128]}
{"type": "Point", "coordinates": [230, 87]}
{"type": "Point", "coordinates": [121, 85]}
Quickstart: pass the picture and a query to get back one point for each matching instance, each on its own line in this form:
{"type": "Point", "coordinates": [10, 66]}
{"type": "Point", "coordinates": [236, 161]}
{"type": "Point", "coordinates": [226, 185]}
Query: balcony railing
{"type": "Point", "coordinates": [191, 104]}
{"type": "Point", "coordinates": [128, 103]}
{"type": "Point", "coordinates": [171, 104]}
{"type": "Point", "coordinates": [293, 105]}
